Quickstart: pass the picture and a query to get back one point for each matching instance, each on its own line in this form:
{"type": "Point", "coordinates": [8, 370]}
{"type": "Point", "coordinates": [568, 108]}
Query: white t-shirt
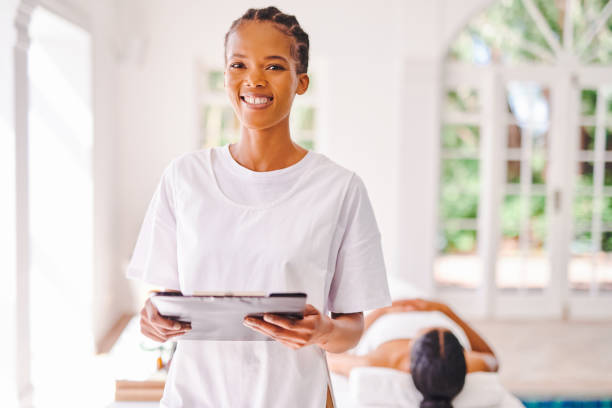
{"type": "Point", "coordinates": [214, 225]}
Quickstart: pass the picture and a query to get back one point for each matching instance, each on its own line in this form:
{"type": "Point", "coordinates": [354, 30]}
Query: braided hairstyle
{"type": "Point", "coordinates": [288, 24]}
{"type": "Point", "coordinates": [438, 368]}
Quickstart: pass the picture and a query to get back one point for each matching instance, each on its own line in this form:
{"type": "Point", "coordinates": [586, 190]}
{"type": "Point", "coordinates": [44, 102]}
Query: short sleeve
{"type": "Point", "coordinates": [154, 259]}
{"type": "Point", "coordinates": [360, 281]}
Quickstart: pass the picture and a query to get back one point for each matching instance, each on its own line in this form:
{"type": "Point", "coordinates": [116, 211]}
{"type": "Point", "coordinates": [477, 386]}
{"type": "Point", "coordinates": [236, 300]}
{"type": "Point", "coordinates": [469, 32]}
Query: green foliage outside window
{"type": "Point", "coordinates": [458, 241]}
{"type": "Point", "coordinates": [588, 102]}
{"type": "Point", "coordinates": [512, 215]}
{"type": "Point", "coordinates": [461, 137]}
{"type": "Point", "coordinates": [462, 100]}
{"type": "Point", "coordinates": [510, 34]}
{"type": "Point", "coordinates": [459, 189]}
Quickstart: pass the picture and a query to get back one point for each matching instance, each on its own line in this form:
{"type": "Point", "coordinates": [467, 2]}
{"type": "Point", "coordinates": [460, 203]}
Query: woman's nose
{"type": "Point", "coordinates": [255, 79]}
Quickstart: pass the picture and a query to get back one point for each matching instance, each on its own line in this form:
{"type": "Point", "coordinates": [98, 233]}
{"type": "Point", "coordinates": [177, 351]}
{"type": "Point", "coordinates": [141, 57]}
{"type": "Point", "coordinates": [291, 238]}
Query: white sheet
{"type": "Point", "coordinates": [370, 387]}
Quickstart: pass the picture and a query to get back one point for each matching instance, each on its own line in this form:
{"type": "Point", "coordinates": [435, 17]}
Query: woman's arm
{"type": "Point", "coordinates": [344, 363]}
{"type": "Point", "coordinates": [477, 343]}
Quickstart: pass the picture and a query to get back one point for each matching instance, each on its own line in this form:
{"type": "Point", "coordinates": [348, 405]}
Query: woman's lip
{"type": "Point", "coordinates": [256, 105]}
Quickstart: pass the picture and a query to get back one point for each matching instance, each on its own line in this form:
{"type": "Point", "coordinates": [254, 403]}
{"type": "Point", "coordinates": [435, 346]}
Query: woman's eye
{"type": "Point", "coordinates": [236, 65]}
{"type": "Point", "coordinates": [275, 67]}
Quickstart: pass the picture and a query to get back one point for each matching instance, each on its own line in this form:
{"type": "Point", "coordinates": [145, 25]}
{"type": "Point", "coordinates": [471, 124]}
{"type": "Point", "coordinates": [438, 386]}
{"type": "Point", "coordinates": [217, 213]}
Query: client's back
{"type": "Point", "coordinates": [438, 367]}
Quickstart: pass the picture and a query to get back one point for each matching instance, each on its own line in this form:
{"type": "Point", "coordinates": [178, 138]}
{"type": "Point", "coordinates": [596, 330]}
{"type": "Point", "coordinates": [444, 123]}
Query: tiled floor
{"type": "Point", "coordinates": [553, 358]}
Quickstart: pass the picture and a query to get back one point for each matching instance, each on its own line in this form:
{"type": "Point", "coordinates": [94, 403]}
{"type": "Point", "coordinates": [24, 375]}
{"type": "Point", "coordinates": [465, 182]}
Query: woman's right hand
{"type": "Point", "coordinates": [158, 328]}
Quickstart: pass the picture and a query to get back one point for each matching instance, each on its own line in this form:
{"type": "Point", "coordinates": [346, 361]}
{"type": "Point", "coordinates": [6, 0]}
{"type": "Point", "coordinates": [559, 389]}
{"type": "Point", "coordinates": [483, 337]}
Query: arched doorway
{"type": "Point", "coordinates": [525, 204]}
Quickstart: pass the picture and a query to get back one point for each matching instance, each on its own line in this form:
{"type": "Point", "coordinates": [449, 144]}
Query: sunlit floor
{"type": "Point", "coordinates": [553, 358]}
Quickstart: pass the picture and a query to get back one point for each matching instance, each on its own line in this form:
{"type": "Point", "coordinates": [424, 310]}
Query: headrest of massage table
{"type": "Point", "coordinates": [386, 387]}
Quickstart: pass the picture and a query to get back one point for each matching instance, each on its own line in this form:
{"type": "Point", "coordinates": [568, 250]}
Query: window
{"type": "Point", "coordinates": [525, 203]}
{"type": "Point", "coordinates": [458, 262]}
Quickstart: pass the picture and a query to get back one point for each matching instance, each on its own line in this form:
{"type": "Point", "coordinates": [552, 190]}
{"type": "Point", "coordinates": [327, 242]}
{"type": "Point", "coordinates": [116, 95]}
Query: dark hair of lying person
{"type": "Point", "coordinates": [438, 368]}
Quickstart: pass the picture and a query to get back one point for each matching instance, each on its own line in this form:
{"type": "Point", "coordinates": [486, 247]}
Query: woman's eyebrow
{"type": "Point", "coordinates": [276, 57]}
{"type": "Point", "coordinates": [269, 57]}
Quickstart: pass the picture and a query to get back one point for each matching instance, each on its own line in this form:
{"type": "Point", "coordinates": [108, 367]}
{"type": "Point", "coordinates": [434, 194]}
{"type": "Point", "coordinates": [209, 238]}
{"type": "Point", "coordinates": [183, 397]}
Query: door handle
{"type": "Point", "coordinates": [557, 200]}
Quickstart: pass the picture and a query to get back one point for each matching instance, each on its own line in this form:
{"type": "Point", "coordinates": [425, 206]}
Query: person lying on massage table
{"type": "Point", "coordinates": [424, 338]}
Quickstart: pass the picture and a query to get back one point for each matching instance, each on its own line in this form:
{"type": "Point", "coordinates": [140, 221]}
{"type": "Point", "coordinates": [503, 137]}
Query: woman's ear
{"type": "Point", "coordinates": [303, 81]}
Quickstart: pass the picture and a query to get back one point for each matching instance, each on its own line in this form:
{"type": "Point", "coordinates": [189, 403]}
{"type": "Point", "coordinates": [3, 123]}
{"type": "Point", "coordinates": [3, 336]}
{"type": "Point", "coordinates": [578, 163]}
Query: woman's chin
{"type": "Point", "coordinates": [258, 125]}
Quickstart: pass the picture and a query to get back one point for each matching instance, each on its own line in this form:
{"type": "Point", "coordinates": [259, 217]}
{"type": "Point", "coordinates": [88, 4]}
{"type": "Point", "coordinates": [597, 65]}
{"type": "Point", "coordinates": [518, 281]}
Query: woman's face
{"type": "Point", "coordinates": [260, 75]}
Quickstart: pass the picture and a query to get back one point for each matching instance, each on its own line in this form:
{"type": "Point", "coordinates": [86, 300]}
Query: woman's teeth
{"type": "Point", "coordinates": [256, 101]}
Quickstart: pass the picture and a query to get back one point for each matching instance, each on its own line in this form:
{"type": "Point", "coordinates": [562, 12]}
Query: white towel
{"type": "Point", "coordinates": [405, 325]}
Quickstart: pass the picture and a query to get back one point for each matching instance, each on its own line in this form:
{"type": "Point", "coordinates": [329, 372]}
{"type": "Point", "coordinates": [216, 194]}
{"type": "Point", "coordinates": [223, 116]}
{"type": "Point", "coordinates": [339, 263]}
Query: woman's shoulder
{"type": "Point", "coordinates": [330, 168]}
{"type": "Point", "coordinates": [195, 159]}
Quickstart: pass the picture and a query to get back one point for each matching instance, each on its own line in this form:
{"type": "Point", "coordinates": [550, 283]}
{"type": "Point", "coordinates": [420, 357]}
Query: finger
{"type": "Point", "coordinates": [158, 320]}
{"type": "Point", "coordinates": [284, 322]}
{"type": "Point", "coordinates": [275, 332]}
{"type": "Point", "coordinates": [310, 310]}
{"type": "Point", "coordinates": [152, 334]}
{"type": "Point", "coordinates": [289, 344]}
{"type": "Point", "coordinates": [178, 333]}
{"type": "Point", "coordinates": [160, 330]}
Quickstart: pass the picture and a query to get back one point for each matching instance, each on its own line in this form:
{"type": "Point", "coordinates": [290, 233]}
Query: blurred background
{"type": "Point", "coordinates": [481, 128]}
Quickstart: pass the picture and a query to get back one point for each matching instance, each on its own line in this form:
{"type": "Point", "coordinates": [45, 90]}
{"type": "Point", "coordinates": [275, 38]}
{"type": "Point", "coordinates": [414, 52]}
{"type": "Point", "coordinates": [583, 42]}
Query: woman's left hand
{"type": "Point", "coordinates": [314, 328]}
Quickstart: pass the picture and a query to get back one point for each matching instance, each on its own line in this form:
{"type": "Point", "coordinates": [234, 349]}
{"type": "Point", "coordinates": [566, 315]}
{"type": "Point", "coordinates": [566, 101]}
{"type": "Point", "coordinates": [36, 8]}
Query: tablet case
{"type": "Point", "coordinates": [220, 317]}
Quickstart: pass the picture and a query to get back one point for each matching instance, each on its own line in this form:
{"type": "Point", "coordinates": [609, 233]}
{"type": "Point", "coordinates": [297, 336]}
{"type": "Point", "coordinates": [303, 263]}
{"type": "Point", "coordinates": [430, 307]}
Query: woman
{"type": "Point", "coordinates": [436, 346]}
{"type": "Point", "coordinates": [266, 215]}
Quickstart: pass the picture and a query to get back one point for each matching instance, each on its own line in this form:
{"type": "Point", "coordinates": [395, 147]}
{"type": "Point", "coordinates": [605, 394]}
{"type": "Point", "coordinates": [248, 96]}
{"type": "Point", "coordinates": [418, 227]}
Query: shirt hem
{"type": "Point", "coordinates": [138, 274]}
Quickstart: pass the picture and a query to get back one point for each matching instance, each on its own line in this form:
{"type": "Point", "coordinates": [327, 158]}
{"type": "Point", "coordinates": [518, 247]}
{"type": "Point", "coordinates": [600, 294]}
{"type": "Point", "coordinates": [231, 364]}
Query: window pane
{"type": "Point", "coordinates": [458, 241]}
{"type": "Point", "coordinates": [530, 271]}
{"type": "Point", "coordinates": [461, 137]}
{"type": "Point", "coordinates": [462, 99]}
{"type": "Point", "coordinates": [514, 137]}
{"type": "Point", "coordinates": [588, 101]}
{"type": "Point", "coordinates": [583, 209]}
{"type": "Point", "coordinates": [608, 174]}
{"type": "Point", "coordinates": [580, 268]}
{"type": "Point", "coordinates": [511, 219]}
{"type": "Point", "coordinates": [585, 175]}
{"type": "Point", "coordinates": [537, 224]}
{"type": "Point", "coordinates": [522, 260]}
{"type": "Point", "coordinates": [219, 125]}
{"type": "Point", "coordinates": [216, 81]}
{"type": "Point", "coordinates": [303, 117]}
{"type": "Point", "coordinates": [606, 212]}
{"type": "Point", "coordinates": [455, 203]}
{"type": "Point", "coordinates": [513, 172]}
{"type": "Point", "coordinates": [587, 137]}
{"type": "Point", "coordinates": [458, 263]}
{"type": "Point", "coordinates": [538, 168]}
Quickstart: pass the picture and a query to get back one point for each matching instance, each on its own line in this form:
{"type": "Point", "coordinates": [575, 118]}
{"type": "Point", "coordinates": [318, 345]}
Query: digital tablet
{"type": "Point", "coordinates": [219, 316]}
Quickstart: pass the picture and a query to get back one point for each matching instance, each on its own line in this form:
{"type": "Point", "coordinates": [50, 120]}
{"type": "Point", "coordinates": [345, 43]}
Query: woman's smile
{"type": "Point", "coordinates": [256, 100]}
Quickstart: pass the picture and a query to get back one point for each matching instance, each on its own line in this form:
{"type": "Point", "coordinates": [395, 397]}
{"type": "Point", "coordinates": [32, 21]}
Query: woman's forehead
{"type": "Point", "coordinates": [259, 39]}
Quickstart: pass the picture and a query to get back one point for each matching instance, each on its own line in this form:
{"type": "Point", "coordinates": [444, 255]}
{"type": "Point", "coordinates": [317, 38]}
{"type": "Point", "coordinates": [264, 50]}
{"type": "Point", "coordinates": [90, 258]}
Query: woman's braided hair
{"type": "Point", "coordinates": [288, 24]}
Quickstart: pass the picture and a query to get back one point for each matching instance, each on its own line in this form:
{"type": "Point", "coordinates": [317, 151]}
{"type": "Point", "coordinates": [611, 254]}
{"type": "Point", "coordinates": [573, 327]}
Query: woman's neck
{"type": "Point", "coordinates": [267, 149]}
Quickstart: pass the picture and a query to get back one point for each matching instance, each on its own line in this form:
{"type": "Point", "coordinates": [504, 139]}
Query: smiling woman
{"type": "Point", "coordinates": [232, 219]}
